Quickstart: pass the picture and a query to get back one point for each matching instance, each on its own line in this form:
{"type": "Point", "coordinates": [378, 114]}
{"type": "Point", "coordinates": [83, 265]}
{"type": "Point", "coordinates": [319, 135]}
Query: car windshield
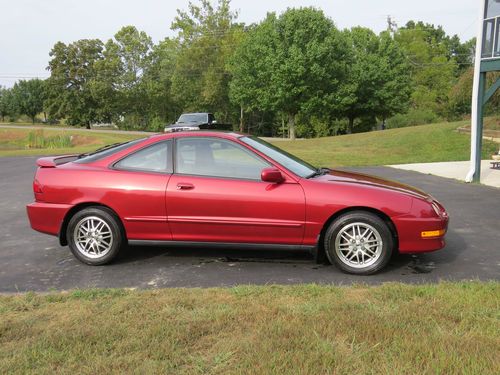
{"type": "Point", "coordinates": [290, 162]}
{"type": "Point", "coordinates": [107, 150]}
{"type": "Point", "coordinates": [194, 117]}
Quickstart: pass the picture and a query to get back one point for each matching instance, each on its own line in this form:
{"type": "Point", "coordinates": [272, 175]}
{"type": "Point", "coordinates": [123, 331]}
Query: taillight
{"type": "Point", "coordinates": [37, 190]}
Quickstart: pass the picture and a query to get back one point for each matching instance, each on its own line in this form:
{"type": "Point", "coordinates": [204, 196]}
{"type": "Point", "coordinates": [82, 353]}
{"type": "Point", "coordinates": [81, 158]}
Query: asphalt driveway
{"type": "Point", "coordinates": [34, 261]}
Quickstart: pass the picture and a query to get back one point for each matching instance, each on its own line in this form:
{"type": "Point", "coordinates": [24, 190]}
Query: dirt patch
{"type": "Point", "coordinates": [7, 136]}
{"type": "Point", "coordinates": [84, 140]}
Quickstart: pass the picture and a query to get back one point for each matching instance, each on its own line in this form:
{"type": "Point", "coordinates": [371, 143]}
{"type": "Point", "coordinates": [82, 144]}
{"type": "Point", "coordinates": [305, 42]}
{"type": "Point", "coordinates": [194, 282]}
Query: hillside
{"type": "Point", "coordinates": [416, 144]}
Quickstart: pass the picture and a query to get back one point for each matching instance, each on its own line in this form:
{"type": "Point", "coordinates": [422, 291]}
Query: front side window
{"type": "Point", "coordinates": [289, 161]}
{"type": "Point", "coordinates": [154, 158]}
{"type": "Point", "coordinates": [216, 157]}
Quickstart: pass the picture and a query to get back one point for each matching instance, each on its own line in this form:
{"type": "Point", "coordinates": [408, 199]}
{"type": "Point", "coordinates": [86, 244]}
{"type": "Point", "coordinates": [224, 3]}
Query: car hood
{"type": "Point", "coordinates": [336, 176]}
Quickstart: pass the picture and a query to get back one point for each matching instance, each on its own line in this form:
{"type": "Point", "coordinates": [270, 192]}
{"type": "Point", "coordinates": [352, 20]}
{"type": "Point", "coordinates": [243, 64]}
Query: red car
{"type": "Point", "coordinates": [231, 190]}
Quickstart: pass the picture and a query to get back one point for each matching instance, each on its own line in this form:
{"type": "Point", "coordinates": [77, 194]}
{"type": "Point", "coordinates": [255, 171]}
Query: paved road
{"type": "Point", "coordinates": [34, 261]}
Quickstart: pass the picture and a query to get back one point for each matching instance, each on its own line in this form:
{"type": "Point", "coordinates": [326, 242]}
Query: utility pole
{"type": "Point", "coordinates": [392, 26]}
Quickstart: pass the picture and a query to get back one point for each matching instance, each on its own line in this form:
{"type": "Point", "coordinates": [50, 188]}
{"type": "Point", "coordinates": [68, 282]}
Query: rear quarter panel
{"type": "Point", "coordinates": [138, 198]}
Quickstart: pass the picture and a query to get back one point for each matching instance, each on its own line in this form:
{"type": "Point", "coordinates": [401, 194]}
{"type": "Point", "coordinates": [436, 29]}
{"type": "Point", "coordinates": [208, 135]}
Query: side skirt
{"type": "Point", "coordinates": [221, 245]}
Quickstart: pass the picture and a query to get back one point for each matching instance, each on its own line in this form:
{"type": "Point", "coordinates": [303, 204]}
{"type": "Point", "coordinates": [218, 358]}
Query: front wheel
{"type": "Point", "coordinates": [359, 243]}
{"type": "Point", "coordinates": [94, 236]}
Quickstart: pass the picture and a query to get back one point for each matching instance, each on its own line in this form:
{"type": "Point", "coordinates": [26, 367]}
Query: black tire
{"type": "Point", "coordinates": [111, 226]}
{"type": "Point", "coordinates": [378, 255]}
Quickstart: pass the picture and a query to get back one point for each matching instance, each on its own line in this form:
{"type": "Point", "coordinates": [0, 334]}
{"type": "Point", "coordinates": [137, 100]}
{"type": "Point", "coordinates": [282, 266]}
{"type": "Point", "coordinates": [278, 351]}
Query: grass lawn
{"type": "Point", "coordinates": [445, 328]}
{"type": "Point", "coordinates": [426, 143]}
{"type": "Point", "coordinates": [14, 142]}
{"type": "Point", "coordinates": [416, 144]}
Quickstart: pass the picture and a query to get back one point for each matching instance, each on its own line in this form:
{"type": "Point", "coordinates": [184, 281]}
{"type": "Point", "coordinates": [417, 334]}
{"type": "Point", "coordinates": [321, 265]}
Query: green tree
{"type": "Point", "coordinates": [461, 94]}
{"type": "Point", "coordinates": [69, 87]}
{"type": "Point", "coordinates": [292, 63]}
{"type": "Point", "coordinates": [207, 37]}
{"type": "Point", "coordinates": [158, 82]}
{"type": "Point", "coordinates": [432, 68]}
{"type": "Point", "coordinates": [7, 107]}
{"type": "Point", "coordinates": [130, 55]}
{"type": "Point", "coordinates": [395, 87]}
{"type": "Point", "coordinates": [29, 97]}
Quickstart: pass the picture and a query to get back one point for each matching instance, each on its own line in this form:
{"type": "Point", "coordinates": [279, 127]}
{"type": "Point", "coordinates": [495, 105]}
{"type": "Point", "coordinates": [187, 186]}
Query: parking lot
{"type": "Point", "coordinates": [34, 261]}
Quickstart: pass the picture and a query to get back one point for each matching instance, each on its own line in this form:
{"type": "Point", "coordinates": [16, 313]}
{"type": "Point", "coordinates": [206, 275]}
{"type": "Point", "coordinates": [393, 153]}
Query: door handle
{"type": "Point", "coordinates": [185, 186]}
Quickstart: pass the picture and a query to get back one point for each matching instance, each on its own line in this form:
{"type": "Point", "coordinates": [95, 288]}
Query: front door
{"type": "Point", "coordinates": [216, 195]}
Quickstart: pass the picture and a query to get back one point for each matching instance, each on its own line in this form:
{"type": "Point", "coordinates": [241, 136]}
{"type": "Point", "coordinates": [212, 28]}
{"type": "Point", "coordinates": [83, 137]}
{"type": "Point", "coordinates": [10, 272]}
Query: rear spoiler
{"type": "Point", "coordinates": [54, 161]}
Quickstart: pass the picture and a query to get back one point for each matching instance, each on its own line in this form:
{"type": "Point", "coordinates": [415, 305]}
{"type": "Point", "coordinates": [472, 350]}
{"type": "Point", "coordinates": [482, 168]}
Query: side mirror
{"type": "Point", "coordinates": [272, 175]}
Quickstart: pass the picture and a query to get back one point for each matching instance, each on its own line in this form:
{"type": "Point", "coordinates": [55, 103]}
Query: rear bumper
{"type": "Point", "coordinates": [410, 234]}
{"type": "Point", "coordinates": [47, 217]}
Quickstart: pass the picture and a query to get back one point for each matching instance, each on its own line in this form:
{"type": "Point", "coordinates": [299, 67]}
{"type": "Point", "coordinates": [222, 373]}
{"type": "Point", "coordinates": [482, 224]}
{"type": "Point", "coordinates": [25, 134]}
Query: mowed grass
{"type": "Point", "coordinates": [416, 144]}
{"type": "Point", "coordinates": [16, 142]}
{"type": "Point", "coordinates": [445, 328]}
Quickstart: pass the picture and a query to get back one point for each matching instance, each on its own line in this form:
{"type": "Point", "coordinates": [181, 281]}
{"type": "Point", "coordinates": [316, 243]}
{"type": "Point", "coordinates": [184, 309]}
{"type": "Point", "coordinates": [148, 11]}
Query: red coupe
{"type": "Point", "coordinates": [227, 190]}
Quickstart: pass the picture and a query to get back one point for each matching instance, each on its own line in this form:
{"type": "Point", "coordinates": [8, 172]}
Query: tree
{"type": "Point", "coordinates": [461, 94]}
{"type": "Point", "coordinates": [207, 38]}
{"type": "Point", "coordinates": [29, 97]}
{"type": "Point", "coordinates": [69, 87]}
{"type": "Point", "coordinates": [6, 103]}
{"type": "Point", "coordinates": [291, 63]}
{"type": "Point", "coordinates": [394, 90]}
{"type": "Point", "coordinates": [432, 68]}
{"type": "Point", "coordinates": [130, 55]}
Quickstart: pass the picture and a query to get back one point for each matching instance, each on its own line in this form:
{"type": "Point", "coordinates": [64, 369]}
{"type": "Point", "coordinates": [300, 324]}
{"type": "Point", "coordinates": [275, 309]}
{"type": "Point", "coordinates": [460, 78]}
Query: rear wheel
{"type": "Point", "coordinates": [95, 236]}
{"type": "Point", "coordinates": [359, 242]}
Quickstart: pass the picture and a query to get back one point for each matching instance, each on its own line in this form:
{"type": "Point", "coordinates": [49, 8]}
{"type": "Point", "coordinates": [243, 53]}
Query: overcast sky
{"type": "Point", "coordinates": [29, 28]}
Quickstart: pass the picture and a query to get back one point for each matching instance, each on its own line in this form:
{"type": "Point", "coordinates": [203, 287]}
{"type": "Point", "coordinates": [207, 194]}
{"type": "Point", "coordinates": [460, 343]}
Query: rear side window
{"type": "Point", "coordinates": [154, 158]}
{"type": "Point", "coordinates": [105, 151]}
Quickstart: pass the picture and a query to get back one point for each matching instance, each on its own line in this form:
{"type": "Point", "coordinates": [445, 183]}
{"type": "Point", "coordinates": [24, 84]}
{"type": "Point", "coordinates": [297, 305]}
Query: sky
{"type": "Point", "coordinates": [29, 28]}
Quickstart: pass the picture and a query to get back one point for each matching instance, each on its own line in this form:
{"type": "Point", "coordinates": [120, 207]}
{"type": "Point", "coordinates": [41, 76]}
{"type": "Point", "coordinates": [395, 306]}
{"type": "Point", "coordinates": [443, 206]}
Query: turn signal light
{"type": "Point", "coordinates": [432, 233]}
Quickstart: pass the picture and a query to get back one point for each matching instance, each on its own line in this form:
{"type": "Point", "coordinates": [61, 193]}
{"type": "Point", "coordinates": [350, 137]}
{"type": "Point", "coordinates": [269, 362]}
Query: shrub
{"type": "Point", "coordinates": [37, 139]}
{"type": "Point", "coordinates": [412, 118]}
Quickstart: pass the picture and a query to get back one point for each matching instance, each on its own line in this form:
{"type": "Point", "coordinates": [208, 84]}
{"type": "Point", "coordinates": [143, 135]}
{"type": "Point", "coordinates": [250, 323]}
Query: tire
{"type": "Point", "coordinates": [359, 243]}
{"type": "Point", "coordinates": [95, 236]}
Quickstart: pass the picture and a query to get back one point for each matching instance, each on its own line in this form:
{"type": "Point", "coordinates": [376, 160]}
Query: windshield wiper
{"type": "Point", "coordinates": [319, 172]}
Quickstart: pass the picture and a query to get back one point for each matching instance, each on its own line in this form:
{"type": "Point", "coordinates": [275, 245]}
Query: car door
{"type": "Point", "coordinates": [137, 191]}
{"type": "Point", "coordinates": [216, 195]}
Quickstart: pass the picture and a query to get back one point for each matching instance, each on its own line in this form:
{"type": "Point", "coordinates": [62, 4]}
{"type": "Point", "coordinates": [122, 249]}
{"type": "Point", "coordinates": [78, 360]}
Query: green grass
{"type": "Point", "coordinates": [445, 328]}
{"type": "Point", "coordinates": [51, 141]}
{"type": "Point", "coordinates": [416, 144]}
{"type": "Point", "coordinates": [426, 143]}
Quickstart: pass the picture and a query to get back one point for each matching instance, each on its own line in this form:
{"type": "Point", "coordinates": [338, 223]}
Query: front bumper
{"type": "Point", "coordinates": [410, 234]}
{"type": "Point", "coordinates": [47, 217]}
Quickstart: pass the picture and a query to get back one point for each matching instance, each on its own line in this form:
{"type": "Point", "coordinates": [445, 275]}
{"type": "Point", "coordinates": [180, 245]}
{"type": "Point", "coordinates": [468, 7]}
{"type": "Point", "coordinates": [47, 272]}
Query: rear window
{"type": "Point", "coordinates": [105, 151]}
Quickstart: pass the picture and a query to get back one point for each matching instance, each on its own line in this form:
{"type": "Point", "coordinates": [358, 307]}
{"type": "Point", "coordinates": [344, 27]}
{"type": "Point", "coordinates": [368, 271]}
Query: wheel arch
{"type": "Point", "coordinates": [380, 214]}
{"type": "Point", "coordinates": [64, 226]}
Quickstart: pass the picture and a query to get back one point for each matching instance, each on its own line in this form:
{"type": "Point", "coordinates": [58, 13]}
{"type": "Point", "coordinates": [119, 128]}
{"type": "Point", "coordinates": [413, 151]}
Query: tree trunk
{"type": "Point", "coordinates": [351, 125]}
{"type": "Point", "coordinates": [88, 125]}
{"type": "Point", "coordinates": [45, 116]}
{"type": "Point", "coordinates": [283, 125]}
{"type": "Point", "coordinates": [242, 125]}
{"type": "Point", "coordinates": [291, 126]}
{"type": "Point", "coordinates": [33, 119]}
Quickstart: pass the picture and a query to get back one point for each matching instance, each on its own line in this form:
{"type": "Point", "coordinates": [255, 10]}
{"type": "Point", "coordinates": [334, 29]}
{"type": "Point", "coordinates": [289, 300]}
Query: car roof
{"type": "Point", "coordinates": [200, 133]}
